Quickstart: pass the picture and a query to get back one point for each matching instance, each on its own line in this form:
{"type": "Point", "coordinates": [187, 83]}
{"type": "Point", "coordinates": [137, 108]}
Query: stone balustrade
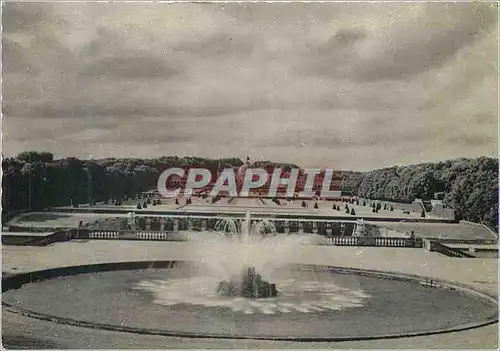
{"type": "Point", "coordinates": [202, 223]}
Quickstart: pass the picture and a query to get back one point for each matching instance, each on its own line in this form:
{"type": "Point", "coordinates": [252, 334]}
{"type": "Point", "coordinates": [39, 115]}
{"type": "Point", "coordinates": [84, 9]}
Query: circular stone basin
{"type": "Point", "coordinates": [315, 303]}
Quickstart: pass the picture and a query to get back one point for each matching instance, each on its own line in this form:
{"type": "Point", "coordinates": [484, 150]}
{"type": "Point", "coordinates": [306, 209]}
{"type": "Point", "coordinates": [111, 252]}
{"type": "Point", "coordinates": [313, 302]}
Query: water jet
{"type": "Point", "coordinates": [247, 283]}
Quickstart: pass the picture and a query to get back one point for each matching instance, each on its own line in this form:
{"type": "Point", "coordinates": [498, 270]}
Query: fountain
{"type": "Point", "coordinates": [248, 283]}
{"type": "Point", "coordinates": [246, 266]}
{"type": "Point", "coordinates": [224, 284]}
{"type": "Point", "coordinates": [251, 286]}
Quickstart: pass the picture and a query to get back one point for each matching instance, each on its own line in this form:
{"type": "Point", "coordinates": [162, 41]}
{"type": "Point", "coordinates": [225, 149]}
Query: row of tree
{"type": "Point", "coordinates": [470, 186]}
{"type": "Point", "coordinates": [35, 181]}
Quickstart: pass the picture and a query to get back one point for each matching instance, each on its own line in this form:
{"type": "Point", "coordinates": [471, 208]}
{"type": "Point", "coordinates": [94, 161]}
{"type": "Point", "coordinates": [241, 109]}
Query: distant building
{"type": "Point", "coordinates": [176, 182]}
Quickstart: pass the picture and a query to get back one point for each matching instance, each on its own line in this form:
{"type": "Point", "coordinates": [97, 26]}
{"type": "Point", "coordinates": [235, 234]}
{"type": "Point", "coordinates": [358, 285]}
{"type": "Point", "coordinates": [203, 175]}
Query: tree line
{"type": "Point", "coordinates": [470, 186]}
{"type": "Point", "coordinates": [36, 181]}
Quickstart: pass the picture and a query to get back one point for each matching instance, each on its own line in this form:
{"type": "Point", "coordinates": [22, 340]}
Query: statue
{"type": "Point", "coordinates": [250, 285]}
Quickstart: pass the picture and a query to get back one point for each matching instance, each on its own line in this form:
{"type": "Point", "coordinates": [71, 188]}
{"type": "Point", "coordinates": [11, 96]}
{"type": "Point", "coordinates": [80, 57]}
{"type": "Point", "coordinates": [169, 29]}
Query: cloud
{"type": "Point", "coordinates": [135, 66]}
{"type": "Point", "coordinates": [19, 67]}
{"type": "Point", "coordinates": [25, 17]}
{"type": "Point", "coordinates": [361, 84]}
{"type": "Point", "coordinates": [217, 45]}
{"type": "Point", "coordinates": [424, 39]}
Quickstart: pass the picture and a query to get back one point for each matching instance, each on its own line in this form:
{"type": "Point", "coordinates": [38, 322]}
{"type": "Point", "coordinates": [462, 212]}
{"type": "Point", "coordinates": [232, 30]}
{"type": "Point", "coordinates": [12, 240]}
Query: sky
{"type": "Point", "coordinates": [341, 85]}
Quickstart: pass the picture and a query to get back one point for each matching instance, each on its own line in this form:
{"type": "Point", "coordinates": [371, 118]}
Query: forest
{"type": "Point", "coordinates": [470, 186]}
{"type": "Point", "coordinates": [36, 181]}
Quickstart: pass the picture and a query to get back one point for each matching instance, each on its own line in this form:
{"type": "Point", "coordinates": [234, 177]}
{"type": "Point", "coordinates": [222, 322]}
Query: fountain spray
{"type": "Point", "coordinates": [249, 284]}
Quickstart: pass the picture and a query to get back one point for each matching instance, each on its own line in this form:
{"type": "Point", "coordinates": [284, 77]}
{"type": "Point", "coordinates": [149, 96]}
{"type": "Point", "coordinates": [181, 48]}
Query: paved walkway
{"type": "Point", "coordinates": [453, 231]}
{"type": "Point", "coordinates": [482, 274]}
